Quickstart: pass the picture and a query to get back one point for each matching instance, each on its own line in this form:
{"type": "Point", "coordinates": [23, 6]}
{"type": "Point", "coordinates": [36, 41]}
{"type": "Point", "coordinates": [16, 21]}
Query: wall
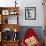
{"type": "Point", "coordinates": [27, 3]}
{"type": "Point", "coordinates": [39, 12]}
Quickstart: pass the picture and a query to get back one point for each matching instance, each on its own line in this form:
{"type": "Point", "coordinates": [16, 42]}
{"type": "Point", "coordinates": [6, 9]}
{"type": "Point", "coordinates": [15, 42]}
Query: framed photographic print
{"type": "Point", "coordinates": [30, 13]}
{"type": "Point", "coordinates": [5, 12]}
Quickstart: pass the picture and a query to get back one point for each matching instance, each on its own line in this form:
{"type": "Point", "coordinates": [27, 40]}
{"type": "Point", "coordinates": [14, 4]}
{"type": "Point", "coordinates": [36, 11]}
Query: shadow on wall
{"type": "Point", "coordinates": [37, 29]}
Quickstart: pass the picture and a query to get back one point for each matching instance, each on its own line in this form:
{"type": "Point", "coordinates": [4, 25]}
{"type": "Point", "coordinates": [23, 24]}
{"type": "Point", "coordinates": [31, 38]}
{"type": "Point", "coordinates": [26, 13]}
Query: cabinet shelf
{"type": "Point", "coordinates": [5, 12]}
{"type": "Point", "coordinates": [9, 10]}
{"type": "Point", "coordinates": [10, 26]}
{"type": "Point", "coordinates": [11, 41]}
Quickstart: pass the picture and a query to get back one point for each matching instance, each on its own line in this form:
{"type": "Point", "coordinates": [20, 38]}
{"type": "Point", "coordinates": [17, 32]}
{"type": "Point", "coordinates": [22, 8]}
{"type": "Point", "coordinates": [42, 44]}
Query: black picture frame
{"type": "Point", "coordinates": [30, 13]}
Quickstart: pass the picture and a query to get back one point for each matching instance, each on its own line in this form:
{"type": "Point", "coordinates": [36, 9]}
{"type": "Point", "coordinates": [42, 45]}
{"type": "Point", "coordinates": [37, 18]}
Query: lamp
{"type": "Point", "coordinates": [15, 3]}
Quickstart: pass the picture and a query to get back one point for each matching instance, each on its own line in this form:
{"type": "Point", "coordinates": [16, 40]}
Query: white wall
{"type": "Point", "coordinates": [27, 3]}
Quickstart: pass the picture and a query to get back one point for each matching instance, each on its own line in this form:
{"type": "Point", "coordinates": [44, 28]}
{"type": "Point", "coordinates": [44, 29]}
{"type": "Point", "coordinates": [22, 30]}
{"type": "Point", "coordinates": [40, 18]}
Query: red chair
{"type": "Point", "coordinates": [29, 33]}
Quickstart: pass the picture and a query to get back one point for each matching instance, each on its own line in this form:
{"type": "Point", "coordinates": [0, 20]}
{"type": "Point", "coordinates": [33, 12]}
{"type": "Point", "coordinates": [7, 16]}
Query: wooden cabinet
{"type": "Point", "coordinates": [6, 26]}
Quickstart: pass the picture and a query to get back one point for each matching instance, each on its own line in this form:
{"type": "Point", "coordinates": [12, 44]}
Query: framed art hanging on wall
{"type": "Point", "coordinates": [30, 13]}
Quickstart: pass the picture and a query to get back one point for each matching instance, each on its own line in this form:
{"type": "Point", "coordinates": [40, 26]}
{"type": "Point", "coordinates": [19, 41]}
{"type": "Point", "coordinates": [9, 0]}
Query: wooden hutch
{"type": "Point", "coordinates": [5, 12]}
